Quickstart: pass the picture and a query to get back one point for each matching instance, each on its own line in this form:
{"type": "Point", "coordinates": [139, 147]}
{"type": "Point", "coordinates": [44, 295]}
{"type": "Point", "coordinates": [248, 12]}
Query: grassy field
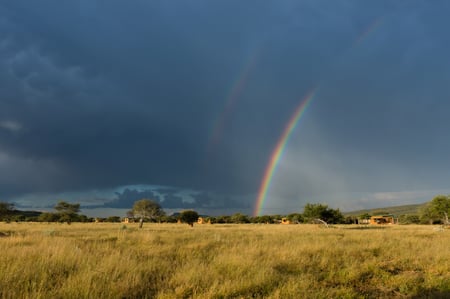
{"type": "Point", "coordinates": [100, 260]}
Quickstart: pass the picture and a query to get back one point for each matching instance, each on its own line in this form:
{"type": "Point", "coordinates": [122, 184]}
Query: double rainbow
{"type": "Point", "coordinates": [295, 118]}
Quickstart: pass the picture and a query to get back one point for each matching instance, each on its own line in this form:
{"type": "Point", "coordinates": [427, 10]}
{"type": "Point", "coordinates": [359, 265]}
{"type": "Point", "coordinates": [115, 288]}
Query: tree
{"type": "Point", "coordinates": [113, 219]}
{"type": "Point", "coordinates": [48, 217]}
{"type": "Point", "coordinates": [295, 217]}
{"type": "Point", "coordinates": [365, 216]}
{"type": "Point", "coordinates": [437, 209]}
{"type": "Point", "coordinates": [67, 212]}
{"type": "Point", "coordinates": [409, 219]}
{"type": "Point", "coordinates": [189, 217]}
{"type": "Point", "coordinates": [6, 209]}
{"type": "Point", "coordinates": [322, 212]}
{"type": "Point", "coordinates": [350, 220]}
{"type": "Point", "coordinates": [239, 218]}
{"type": "Point", "coordinates": [223, 219]}
{"type": "Point", "coordinates": [168, 219]}
{"type": "Point", "coordinates": [262, 219]}
{"type": "Point", "coordinates": [146, 209]}
{"type": "Point", "coordinates": [65, 207]}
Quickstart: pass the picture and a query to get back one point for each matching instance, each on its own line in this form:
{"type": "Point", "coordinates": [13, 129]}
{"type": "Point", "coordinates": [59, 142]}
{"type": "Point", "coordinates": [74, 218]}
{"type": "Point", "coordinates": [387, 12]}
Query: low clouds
{"type": "Point", "coordinates": [176, 199]}
{"type": "Point", "coordinates": [96, 95]}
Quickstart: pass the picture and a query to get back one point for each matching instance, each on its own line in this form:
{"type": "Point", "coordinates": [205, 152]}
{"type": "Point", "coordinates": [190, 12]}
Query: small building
{"type": "Point", "coordinates": [285, 221]}
{"type": "Point", "coordinates": [382, 219]}
{"type": "Point", "coordinates": [202, 220]}
{"type": "Point", "coordinates": [128, 220]}
{"type": "Point", "coordinates": [364, 221]}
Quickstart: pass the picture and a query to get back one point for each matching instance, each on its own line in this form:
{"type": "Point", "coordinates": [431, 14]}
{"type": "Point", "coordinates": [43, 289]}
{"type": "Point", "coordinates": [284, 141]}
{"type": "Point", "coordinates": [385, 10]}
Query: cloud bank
{"type": "Point", "coordinates": [98, 95]}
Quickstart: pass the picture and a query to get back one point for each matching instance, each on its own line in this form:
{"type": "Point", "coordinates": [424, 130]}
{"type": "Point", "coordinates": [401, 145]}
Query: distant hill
{"type": "Point", "coordinates": [18, 215]}
{"type": "Point", "coordinates": [396, 210]}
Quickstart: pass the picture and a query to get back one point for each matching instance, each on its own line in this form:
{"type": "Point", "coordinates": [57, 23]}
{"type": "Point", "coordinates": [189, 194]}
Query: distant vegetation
{"type": "Point", "coordinates": [145, 210]}
{"type": "Point", "coordinates": [8, 213]}
{"type": "Point", "coordinates": [65, 212]}
{"type": "Point", "coordinates": [396, 210]}
{"type": "Point", "coordinates": [435, 211]}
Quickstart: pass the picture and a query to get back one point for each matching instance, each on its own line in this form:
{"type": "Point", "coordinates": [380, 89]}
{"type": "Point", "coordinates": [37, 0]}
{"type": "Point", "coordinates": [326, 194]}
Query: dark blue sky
{"type": "Point", "coordinates": [106, 102]}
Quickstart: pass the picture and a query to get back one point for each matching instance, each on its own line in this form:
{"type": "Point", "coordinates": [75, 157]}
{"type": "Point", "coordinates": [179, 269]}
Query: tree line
{"type": "Point", "coordinates": [146, 210]}
{"type": "Point", "coordinates": [65, 212]}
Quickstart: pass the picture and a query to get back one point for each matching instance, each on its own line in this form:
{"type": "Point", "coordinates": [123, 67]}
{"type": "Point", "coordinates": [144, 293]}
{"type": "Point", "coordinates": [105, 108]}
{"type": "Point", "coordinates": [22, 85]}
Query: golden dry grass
{"type": "Point", "coordinates": [100, 260]}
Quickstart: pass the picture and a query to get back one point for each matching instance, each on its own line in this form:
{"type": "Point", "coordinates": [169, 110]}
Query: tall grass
{"type": "Point", "coordinates": [222, 261]}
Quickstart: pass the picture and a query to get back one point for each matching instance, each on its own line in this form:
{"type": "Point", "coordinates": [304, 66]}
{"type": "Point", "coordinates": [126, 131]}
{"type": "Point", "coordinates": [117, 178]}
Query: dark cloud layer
{"type": "Point", "coordinates": [174, 199]}
{"type": "Point", "coordinates": [100, 94]}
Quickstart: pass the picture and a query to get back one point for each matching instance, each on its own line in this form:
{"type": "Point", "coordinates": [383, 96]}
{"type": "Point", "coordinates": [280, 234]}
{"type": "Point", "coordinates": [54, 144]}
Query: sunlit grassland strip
{"type": "Point", "coordinates": [100, 260]}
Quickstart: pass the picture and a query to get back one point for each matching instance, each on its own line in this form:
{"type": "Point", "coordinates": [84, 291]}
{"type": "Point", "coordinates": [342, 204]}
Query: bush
{"type": "Point", "coordinates": [113, 219]}
{"type": "Point", "coordinates": [409, 219]}
{"type": "Point", "coordinates": [189, 217]}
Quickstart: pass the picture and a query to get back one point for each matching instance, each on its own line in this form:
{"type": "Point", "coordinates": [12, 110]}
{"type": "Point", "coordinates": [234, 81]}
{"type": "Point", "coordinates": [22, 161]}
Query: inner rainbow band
{"type": "Point", "coordinates": [279, 150]}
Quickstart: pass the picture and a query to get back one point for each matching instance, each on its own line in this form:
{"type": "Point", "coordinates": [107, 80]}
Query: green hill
{"type": "Point", "coordinates": [395, 210]}
{"type": "Point", "coordinates": [18, 215]}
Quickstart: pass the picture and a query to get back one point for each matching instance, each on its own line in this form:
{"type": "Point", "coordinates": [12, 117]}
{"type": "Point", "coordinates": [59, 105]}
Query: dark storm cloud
{"type": "Point", "coordinates": [120, 94]}
{"type": "Point", "coordinates": [215, 201]}
{"type": "Point", "coordinates": [73, 112]}
{"type": "Point", "coordinates": [100, 94]}
{"type": "Point", "coordinates": [176, 202]}
{"type": "Point", "coordinates": [393, 92]}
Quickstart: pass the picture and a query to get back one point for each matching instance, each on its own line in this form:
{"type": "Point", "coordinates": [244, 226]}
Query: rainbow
{"type": "Point", "coordinates": [233, 95]}
{"type": "Point", "coordinates": [369, 29]}
{"type": "Point", "coordinates": [279, 149]}
{"type": "Point", "coordinates": [282, 142]}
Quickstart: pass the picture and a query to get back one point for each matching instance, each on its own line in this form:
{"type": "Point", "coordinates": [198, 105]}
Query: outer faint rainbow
{"type": "Point", "coordinates": [278, 151]}
{"type": "Point", "coordinates": [369, 29]}
{"type": "Point", "coordinates": [232, 97]}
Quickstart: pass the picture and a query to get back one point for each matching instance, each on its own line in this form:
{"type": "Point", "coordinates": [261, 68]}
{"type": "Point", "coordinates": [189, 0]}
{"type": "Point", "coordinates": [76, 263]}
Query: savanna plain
{"type": "Point", "coordinates": [115, 260]}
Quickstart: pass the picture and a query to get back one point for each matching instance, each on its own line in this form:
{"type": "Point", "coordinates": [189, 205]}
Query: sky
{"type": "Point", "coordinates": [187, 102]}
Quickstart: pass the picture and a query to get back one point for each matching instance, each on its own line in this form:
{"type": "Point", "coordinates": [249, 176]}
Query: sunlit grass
{"type": "Point", "coordinates": [100, 260]}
